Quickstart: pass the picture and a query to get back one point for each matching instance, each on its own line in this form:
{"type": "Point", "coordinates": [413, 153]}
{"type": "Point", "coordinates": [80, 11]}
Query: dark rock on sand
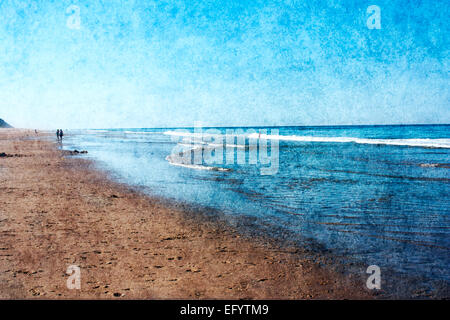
{"type": "Point", "coordinates": [5, 155]}
{"type": "Point", "coordinates": [74, 152]}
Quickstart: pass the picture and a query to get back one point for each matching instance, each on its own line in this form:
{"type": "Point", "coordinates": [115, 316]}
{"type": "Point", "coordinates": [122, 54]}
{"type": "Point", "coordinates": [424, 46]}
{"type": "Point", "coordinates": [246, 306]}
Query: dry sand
{"type": "Point", "coordinates": [58, 210]}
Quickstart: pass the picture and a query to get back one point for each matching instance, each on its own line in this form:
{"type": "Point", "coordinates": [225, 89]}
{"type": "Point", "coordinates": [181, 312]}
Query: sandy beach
{"type": "Point", "coordinates": [57, 210]}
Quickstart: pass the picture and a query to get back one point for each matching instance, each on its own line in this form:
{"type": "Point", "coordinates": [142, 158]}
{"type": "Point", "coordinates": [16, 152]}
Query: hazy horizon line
{"type": "Point", "coordinates": [250, 126]}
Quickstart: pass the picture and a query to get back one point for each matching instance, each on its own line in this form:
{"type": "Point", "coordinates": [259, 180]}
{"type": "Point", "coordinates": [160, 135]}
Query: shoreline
{"type": "Point", "coordinates": [58, 211]}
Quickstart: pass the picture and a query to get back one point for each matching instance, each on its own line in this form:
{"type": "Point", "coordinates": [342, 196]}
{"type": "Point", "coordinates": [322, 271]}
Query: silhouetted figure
{"type": "Point", "coordinates": [57, 134]}
{"type": "Point", "coordinates": [61, 134]}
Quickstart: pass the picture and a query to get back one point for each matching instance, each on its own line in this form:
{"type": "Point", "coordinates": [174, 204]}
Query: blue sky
{"type": "Point", "coordinates": [174, 63]}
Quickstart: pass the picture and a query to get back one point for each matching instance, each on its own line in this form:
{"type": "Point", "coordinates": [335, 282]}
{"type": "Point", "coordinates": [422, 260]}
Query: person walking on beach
{"type": "Point", "coordinates": [61, 134]}
{"type": "Point", "coordinates": [57, 134]}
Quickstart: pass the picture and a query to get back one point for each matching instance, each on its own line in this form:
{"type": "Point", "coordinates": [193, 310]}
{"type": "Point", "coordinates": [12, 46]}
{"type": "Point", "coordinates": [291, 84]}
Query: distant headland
{"type": "Point", "coordinates": [3, 124]}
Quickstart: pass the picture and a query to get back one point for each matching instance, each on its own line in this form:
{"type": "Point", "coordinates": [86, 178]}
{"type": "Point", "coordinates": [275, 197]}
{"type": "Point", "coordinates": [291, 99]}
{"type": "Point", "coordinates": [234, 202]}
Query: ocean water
{"type": "Point", "coordinates": [376, 194]}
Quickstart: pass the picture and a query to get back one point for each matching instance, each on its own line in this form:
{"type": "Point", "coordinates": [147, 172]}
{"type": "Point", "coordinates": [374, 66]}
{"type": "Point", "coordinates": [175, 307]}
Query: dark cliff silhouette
{"type": "Point", "coordinates": [3, 124]}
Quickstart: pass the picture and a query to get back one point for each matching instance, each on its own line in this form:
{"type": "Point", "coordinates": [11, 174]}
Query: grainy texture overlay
{"type": "Point", "coordinates": [57, 211]}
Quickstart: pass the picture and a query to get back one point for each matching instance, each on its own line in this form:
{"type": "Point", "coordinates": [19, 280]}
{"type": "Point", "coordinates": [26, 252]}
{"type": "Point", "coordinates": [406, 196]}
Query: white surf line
{"type": "Point", "coordinates": [141, 132]}
{"type": "Point", "coordinates": [195, 166]}
{"type": "Point", "coordinates": [431, 143]}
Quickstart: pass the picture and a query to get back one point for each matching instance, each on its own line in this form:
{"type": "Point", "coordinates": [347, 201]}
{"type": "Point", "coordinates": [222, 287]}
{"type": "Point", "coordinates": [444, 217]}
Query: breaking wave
{"type": "Point", "coordinates": [424, 143]}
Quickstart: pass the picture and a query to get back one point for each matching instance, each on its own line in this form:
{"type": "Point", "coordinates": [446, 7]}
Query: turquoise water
{"type": "Point", "coordinates": [377, 194]}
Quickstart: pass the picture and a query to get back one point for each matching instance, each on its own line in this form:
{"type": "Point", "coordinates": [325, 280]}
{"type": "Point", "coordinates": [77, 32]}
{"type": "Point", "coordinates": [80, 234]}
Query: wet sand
{"type": "Point", "coordinates": [57, 210]}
